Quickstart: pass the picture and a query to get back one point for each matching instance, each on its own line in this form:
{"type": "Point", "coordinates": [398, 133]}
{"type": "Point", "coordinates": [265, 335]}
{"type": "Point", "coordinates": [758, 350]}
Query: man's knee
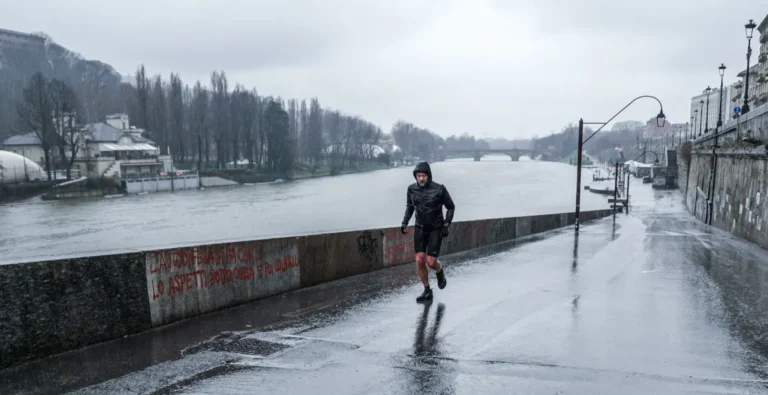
{"type": "Point", "coordinates": [421, 259]}
{"type": "Point", "coordinates": [432, 262]}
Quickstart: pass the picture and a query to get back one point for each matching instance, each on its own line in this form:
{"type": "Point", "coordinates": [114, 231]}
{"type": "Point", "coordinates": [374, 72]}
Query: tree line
{"type": "Point", "coordinates": [205, 125]}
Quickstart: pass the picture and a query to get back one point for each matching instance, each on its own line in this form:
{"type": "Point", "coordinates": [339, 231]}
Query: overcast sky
{"type": "Point", "coordinates": [493, 68]}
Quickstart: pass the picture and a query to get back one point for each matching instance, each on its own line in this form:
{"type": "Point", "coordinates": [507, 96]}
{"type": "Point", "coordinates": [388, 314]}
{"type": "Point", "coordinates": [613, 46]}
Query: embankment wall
{"type": "Point", "coordinates": [55, 306]}
{"type": "Point", "coordinates": [726, 187]}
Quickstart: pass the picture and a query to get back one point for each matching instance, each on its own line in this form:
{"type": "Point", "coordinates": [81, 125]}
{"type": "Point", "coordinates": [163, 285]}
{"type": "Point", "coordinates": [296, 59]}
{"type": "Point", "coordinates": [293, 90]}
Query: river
{"type": "Point", "coordinates": [494, 187]}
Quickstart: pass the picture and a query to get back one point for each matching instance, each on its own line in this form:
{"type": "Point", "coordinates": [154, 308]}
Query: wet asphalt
{"type": "Point", "coordinates": [651, 303]}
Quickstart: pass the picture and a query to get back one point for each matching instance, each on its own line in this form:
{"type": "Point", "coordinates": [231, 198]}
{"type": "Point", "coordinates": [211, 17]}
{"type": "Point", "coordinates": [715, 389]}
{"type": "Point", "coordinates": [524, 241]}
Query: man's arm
{"type": "Point", "coordinates": [448, 203]}
{"type": "Point", "coordinates": [408, 207]}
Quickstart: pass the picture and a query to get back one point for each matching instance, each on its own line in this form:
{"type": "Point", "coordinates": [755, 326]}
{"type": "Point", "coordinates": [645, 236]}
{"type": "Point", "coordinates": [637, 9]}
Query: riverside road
{"type": "Point", "coordinates": [653, 303]}
{"type": "Point", "coordinates": [494, 187]}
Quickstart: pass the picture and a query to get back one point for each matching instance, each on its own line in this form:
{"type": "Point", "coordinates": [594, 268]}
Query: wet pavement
{"type": "Point", "coordinates": [652, 303]}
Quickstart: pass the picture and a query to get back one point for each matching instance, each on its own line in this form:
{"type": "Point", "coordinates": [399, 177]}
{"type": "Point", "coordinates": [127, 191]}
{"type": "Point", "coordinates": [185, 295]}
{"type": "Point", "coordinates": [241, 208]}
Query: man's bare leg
{"type": "Point", "coordinates": [435, 265]}
{"type": "Point", "coordinates": [421, 268]}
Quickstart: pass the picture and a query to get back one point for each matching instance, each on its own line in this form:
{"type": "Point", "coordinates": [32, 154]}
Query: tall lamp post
{"type": "Point", "coordinates": [749, 28]}
{"type": "Point", "coordinates": [721, 69]}
{"type": "Point", "coordinates": [660, 119]}
{"type": "Point", "coordinates": [706, 118]}
{"type": "Point", "coordinates": [693, 123]}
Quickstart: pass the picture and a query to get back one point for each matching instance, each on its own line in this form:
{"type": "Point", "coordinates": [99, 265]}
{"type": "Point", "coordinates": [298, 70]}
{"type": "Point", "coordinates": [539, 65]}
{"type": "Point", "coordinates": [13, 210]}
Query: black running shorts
{"type": "Point", "coordinates": [427, 240]}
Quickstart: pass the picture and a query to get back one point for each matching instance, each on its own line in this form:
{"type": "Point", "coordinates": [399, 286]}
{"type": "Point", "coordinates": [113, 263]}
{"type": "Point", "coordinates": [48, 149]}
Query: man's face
{"type": "Point", "coordinates": [421, 178]}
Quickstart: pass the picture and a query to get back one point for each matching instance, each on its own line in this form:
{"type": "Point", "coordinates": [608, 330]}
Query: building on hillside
{"type": "Point", "coordinates": [108, 149]}
{"type": "Point", "coordinates": [761, 90]}
{"type": "Point", "coordinates": [116, 149]}
{"type": "Point", "coordinates": [12, 39]}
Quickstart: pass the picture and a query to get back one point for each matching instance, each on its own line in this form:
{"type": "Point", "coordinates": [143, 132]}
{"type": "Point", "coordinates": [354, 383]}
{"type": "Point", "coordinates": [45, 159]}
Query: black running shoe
{"type": "Point", "coordinates": [427, 295]}
{"type": "Point", "coordinates": [441, 281]}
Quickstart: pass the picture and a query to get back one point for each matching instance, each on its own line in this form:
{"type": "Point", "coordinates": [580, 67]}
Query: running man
{"type": "Point", "coordinates": [427, 198]}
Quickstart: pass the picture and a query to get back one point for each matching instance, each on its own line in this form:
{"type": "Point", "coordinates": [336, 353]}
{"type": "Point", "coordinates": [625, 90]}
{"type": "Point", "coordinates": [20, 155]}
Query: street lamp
{"type": "Point", "coordinates": [693, 123]}
{"type": "Point", "coordinates": [706, 119]}
{"type": "Point", "coordinates": [720, 106]}
{"type": "Point", "coordinates": [660, 120]}
{"type": "Point", "coordinates": [749, 28]}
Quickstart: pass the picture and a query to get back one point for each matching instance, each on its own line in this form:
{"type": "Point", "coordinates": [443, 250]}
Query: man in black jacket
{"type": "Point", "coordinates": [427, 199]}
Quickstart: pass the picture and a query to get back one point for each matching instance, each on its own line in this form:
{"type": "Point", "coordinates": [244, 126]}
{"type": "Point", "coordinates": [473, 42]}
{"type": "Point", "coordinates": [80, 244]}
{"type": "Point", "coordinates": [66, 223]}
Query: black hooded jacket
{"type": "Point", "coordinates": [428, 201]}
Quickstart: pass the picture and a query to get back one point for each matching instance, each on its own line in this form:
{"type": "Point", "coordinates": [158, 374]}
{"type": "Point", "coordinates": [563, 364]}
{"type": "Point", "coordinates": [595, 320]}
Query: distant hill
{"type": "Point", "coordinates": [97, 84]}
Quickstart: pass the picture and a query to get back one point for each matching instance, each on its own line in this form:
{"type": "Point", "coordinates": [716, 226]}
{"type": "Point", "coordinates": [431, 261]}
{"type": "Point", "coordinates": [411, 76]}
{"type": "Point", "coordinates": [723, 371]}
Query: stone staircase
{"type": "Point", "coordinates": [113, 168]}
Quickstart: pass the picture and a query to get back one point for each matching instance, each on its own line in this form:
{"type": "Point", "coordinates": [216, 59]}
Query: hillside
{"type": "Point", "coordinates": [96, 83]}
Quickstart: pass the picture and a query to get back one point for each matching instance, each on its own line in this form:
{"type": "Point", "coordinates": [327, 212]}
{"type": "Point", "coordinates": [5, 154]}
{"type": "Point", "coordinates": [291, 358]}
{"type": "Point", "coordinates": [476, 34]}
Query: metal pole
{"type": "Point", "coordinates": [745, 107]}
{"type": "Point", "coordinates": [706, 119]}
{"type": "Point", "coordinates": [720, 107]}
{"type": "Point", "coordinates": [615, 188]}
{"type": "Point", "coordinates": [701, 114]}
{"type": "Point", "coordinates": [688, 132]}
{"type": "Point", "coordinates": [578, 172]}
{"type": "Point", "coordinates": [628, 180]}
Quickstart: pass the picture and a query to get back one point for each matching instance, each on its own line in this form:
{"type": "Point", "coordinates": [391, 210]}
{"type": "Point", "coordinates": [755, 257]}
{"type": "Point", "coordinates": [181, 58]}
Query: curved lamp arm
{"type": "Point", "coordinates": [661, 113]}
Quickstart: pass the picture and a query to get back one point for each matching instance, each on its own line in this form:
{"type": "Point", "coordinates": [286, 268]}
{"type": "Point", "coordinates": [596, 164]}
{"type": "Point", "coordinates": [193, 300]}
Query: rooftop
{"type": "Point", "coordinates": [30, 138]}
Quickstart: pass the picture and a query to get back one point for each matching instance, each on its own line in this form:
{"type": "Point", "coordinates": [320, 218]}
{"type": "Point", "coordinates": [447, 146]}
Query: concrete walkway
{"type": "Point", "coordinates": [654, 302]}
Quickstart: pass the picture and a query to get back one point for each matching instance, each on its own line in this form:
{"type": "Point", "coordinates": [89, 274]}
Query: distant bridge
{"type": "Point", "coordinates": [513, 153]}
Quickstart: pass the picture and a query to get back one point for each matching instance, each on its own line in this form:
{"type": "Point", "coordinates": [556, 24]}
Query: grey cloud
{"type": "Point", "coordinates": [502, 68]}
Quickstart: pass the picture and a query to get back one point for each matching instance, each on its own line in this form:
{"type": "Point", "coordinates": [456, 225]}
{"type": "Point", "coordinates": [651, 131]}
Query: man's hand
{"type": "Point", "coordinates": [403, 229]}
{"type": "Point", "coordinates": [445, 230]}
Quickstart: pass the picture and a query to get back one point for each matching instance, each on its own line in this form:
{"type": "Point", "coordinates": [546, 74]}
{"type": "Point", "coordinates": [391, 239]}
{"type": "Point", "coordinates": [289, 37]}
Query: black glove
{"type": "Point", "coordinates": [445, 230]}
{"type": "Point", "coordinates": [403, 229]}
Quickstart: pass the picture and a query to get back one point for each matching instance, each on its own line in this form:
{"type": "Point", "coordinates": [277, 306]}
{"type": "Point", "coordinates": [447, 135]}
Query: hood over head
{"type": "Point", "coordinates": [423, 167]}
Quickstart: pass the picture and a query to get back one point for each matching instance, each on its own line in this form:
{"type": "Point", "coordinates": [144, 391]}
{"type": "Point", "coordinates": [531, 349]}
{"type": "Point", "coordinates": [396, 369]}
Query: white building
{"type": "Point", "coordinates": [761, 88]}
{"type": "Point", "coordinates": [111, 149]}
{"type": "Point", "coordinates": [706, 118]}
{"type": "Point", "coordinates": [737, 99]}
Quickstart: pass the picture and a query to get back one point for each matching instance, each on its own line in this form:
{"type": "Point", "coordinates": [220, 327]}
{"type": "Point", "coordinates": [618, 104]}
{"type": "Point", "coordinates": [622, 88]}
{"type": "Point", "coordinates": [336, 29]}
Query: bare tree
{"type": "Point", "coordinates": [315, 133]}
{"type": "Point", "coordinates": [142, 93]}
{"type": "Point", "coordinates": [303, 140]}
{"type": "Point", "coordinates": [159, 110]}
{"type": "Point", "coordinates": [35, 112]}
{"type": "Point", "coordinates": [199, 121]}
{"type": "Point", "coordinates": [176, 120]}
{"type": "Point", "coordinates": [65, 111]}
{"type": "Point", "coordinates": [221, 116]}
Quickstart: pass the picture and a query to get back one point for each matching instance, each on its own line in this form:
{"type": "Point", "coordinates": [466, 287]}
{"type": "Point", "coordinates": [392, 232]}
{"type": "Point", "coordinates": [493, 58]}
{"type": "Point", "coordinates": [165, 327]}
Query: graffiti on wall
{"type": "Point", "coordinates": [218, 275]}
{"type": "Point", "coordinates": [367, 245]}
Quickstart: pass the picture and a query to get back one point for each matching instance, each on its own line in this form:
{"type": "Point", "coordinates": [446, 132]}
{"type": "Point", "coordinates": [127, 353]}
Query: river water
{"type": "Point", "coordinates": [494, 187]}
